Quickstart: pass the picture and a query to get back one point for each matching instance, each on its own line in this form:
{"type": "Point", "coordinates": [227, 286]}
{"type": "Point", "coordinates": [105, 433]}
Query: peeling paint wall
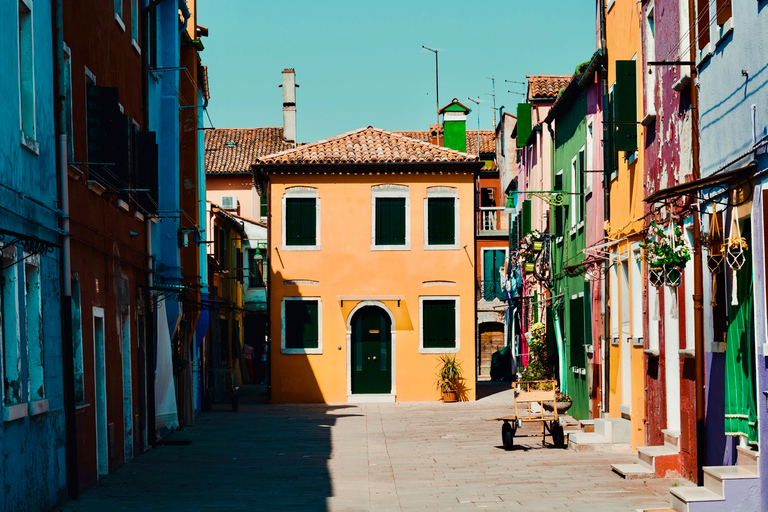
{"type": "Point", "coordinates": [32, 455]}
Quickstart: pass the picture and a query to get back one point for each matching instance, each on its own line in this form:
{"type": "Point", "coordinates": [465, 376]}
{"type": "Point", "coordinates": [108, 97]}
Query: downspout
{"type": "Point", "coordinates": [475, 195]}
{"type": "Point", "coordinates": [698, 287]}
{"type": "Point", "coordinates": [68, 355]}
{"type": "Point", "coordinates": [606, 209]}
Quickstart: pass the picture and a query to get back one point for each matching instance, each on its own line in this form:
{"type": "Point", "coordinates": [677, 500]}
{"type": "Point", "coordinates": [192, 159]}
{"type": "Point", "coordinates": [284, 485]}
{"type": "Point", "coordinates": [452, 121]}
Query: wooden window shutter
{"type": "Point", "coordinates": [300, 219]}
{"type": "Point", "coordinates": [724, 11]}
{"type": "Point", "coordinates": [702, 17]}
{"type": "Point", "coordinates": [390, 221]}
{"type": "Point", "coordinates": [441, 229]}
{"type": "Point", "coordinates": [439, 329]}
{"type": "Point", "coordinates": [301, 324]}
{"type": "Point", "coordinates": [625, 105]}
{"type": "Point", "coordinates": [526, 217]}
{"type": "Point", "coordinates": [147, 171]}
{"type": "Point", "coordinates": [524, 125]}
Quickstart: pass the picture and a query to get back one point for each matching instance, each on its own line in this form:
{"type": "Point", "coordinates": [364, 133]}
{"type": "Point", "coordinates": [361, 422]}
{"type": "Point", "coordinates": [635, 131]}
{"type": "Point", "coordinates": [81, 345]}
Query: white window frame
{"type": "Point", "coordinates": [574, 207]}
{"type": "Point", "coordinates": [319, 349]}
{"type": "Point", "coordinates": [432, 192]}
{"type": "Point", "coordinates": [135, 25]}
{"type": "Point", "coordinates": [389, 191]}
{"type": "Point", "coordinates": [297, 193]}
{"type": "Point", "coordinates": [457, 311]}
{"type": "Point", "coordinates": [33, 318]}
{"type": "Point", "coordinates": [27, 101]}
{"type": "Point", "coordinates": [10, 329]}
{"type": "Point", "coordinates": [588, 164]}
{"type": "Point", "coordinates": [636, 286]}
{"type": "Point", "coordinates": [650, 52]}
{"type": "Point", "coordinates": [119, 14]}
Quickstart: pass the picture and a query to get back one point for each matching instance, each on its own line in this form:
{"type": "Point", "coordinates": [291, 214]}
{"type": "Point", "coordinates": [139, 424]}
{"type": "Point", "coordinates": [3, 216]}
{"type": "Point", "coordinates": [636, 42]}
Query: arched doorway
{"type": "Point", "coordinates": [371, 351]}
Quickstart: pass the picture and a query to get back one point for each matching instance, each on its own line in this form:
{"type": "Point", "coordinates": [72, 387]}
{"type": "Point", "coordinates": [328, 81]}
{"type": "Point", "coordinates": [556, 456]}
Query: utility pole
{"type": "Point", "coordinates": [493, 94]}
{"type": "Point", "coordinates": [437, 93]}
{"type": "Point", "coordinates": [477, 102]}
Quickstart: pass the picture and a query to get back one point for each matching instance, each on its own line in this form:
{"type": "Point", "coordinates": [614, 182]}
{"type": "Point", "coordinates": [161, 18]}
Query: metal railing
{"type": "Point", "coordinates": [489, 290]}
{"type": "Point", "coordinates": [492, 218]}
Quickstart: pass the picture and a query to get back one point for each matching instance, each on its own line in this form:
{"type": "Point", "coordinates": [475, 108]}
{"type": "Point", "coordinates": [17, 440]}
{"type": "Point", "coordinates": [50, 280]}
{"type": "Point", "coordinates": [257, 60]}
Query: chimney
{"type": "Point", "coordinates": [289, 105]}
{"type": "Point", "coordinates": [455, 125]}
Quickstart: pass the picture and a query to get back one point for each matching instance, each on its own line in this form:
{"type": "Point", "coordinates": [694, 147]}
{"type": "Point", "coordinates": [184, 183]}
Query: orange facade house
{"type": "Point", "coordinates": [372, 268]}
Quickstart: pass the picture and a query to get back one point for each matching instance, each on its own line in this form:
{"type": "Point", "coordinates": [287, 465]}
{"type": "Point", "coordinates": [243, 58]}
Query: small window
{"type": "Point", "coordinates": [263, 204]}
{"type": "Point", "coordinates": [135, 21]}
{"type": "Point", "coordinates": [26, 71]}
{"type": "Point", "coordinates": [390, 224]}
{"type": "Point", "coordinates": [119, 8]}
{"type": "Point", "coordinates": [301, 219]}
{"type": "Point", "coordinates": [302, 325]}
{"type": "Point", "coordinates": [255, 269]}
{"type": "Point", "coordinates": [441, 226]}
{"type": "Point", "coordinates": [439, 324]}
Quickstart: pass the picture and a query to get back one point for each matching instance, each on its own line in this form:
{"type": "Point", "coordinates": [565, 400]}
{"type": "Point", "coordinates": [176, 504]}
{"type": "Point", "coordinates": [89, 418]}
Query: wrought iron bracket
{"type": "Point", "coordinates": [32, 245]}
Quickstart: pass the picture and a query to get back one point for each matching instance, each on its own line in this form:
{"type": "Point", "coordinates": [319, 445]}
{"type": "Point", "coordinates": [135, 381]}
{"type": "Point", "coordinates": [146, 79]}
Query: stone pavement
{"type": "Point", "coordinates": [403, 456]}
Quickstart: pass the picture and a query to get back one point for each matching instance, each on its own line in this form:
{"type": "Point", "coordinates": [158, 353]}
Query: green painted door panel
{"type": "Point", "coordinates": [371, 352]}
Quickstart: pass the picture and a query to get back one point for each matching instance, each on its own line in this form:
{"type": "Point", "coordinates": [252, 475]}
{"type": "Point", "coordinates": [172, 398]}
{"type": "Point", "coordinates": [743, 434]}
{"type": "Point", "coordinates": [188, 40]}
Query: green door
{"type": "Point", "coordinates": [371, 351]}
{"type": "Point", "coordinates": [493, 260]}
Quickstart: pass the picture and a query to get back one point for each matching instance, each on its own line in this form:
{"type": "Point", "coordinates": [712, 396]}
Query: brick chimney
{"type": "Point", "coordinates": [289, 105]}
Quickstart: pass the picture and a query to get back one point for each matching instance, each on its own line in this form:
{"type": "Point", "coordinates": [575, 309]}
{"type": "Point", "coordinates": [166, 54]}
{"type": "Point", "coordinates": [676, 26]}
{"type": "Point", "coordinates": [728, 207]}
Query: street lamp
{"type": "Point", "coordinates": [437, 92]}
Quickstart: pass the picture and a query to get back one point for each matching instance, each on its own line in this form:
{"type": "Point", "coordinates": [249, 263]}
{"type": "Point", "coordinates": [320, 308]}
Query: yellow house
{"type": "Point", "coordinates": [626, 387]}
{"type": "Point", "coordinates": [370, 239]}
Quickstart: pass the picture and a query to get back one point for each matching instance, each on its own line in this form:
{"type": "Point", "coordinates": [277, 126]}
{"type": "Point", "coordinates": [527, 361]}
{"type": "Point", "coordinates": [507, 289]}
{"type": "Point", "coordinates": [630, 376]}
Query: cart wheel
{"type": "Point", "coordinates": [558, 436]}
{"type": "Point", "coordinates": [507, 436]}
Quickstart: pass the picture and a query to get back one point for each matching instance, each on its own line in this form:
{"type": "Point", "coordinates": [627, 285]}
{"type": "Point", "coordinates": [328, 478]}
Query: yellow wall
{"type": "Point", "coordinates": [623, 37]}
{"type": "Point", "coordinates": [347, 268]}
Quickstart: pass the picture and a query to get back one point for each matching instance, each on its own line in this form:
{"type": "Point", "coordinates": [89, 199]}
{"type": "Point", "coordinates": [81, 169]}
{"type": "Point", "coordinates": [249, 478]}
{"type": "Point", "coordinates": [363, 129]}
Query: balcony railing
{"type": "Point", "coordinates": [492, 218]}
{"type": "Point", "coordinates": [489, 290]}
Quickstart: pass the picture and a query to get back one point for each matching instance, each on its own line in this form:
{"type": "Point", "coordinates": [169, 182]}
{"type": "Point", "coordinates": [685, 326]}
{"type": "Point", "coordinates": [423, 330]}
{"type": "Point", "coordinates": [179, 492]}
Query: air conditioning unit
{"type": "Point", "coordinates": [229, 202]}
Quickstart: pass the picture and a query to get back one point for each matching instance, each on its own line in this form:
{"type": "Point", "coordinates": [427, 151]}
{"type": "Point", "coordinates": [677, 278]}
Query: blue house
{"type": "Point", "coordinates": [32, 426]}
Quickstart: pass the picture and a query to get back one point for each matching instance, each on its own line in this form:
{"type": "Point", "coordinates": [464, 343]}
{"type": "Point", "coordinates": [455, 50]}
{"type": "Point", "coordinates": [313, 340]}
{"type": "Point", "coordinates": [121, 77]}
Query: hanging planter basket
{"type": "Point", "coordinates": [537, 246]}
{"type": "Point", "coordinates": [656, 276]}
{"type": "Point", "coordinates": [529, 267]}
{"type": "Point", "coordinates": [734, 256]}
{"type": "Point", "coordinates": [673, 275]}
{"type": "Point", "coordinates": [714, 262]}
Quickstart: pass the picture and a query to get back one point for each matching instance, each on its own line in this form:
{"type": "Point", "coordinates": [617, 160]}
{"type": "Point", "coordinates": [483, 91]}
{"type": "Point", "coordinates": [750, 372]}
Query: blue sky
{"type": "Point", "coordinates": [360, 63]}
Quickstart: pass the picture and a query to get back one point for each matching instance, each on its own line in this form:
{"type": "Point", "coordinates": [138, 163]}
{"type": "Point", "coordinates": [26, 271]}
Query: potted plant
{"type": "Point", "coordinates": [563, 402]}
{"type": "Point", "coordinates": [667, 252]}
{"type": "Point", "coordinates": [734, 248]}
{"type": "Point", "coordinates": [537, 368]}
{"type": "Point", "coordinates": [448, 377]}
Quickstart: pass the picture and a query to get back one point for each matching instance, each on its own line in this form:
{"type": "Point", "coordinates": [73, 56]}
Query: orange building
{"type": "Point", "coordinates": [372, 270]}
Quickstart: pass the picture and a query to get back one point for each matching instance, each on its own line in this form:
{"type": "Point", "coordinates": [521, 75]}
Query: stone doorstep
{"type": "Point", "coordinates": [633, 471]}
{"type": "Point", "coordinates": [591, 442]}
{"type": "Point", "coordinates": [655, 510]}
{"type": "Point", "coordinates": [672, 439]}
{"type": "Point", "coordinates": [649, 455]}
{"type": "Point", "coordinates": [748, 459]}
{"type": "Point", "coordinates": [682, 497]}
{"type": "Point", "coordinates": [587, 426]}
{"type": "Point", "coordinates": [714, 476]}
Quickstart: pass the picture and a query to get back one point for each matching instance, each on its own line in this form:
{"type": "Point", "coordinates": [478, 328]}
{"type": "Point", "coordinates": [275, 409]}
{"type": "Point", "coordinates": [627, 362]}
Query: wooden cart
{"type": "Point", "coordinates": [526, 394]}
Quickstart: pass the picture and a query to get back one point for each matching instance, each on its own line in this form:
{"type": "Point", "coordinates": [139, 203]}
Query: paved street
{"type": "Point", "coordinates": [405, 456]}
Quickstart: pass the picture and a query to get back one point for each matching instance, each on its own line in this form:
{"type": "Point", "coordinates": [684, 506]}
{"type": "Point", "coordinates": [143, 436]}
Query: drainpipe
{"type": "Point", "coordinates": [68, 355]}
{"type": "Point", "coordinates": [698, 286]}
{"type": "Point", "coordinates": [606, 211]}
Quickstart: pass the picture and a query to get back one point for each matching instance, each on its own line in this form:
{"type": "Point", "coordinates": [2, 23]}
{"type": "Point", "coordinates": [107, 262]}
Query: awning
{"type": "Point", "coordinates": [713, 180]}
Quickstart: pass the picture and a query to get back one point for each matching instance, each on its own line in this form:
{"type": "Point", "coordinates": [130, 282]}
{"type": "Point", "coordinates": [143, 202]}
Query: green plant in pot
{"type": "Point", "coordinates": [449, 377]}
{"type": "Point", "coordinates": [537, 368]}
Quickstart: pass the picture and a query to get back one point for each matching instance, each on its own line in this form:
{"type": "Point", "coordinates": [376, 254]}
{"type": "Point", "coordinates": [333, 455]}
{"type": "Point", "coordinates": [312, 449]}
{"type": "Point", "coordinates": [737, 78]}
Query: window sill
{"type": "Point", "coordinates": [406, 247]}
{"type": "Point", "coordinates": [15, 412]}
{"type": "Point", "coordinates": [453, 247]}
{"type": "Point", "coordinates": [30, 144]}
{"type": "Point", "coordinates": [614, 175]}
{"type": "Point", "coordinates": [716, 347]}
{"type": "Point", "coordinates": [296, 351]}
{"type": "Point", "coordinates": [703, 54]}
{"type": "Point", "coordinates": [74, 172]}
{"type": "Point", "coordinates": [80, 409]}
{"type": "Point", "coordinates": [38, 407]}
{"type": "Point", "coordinates": [724, 30]}
{"type": "Point", "coordinates": [123, 205]}
{"type": "Point", "coordinates": [648, 119]}
{"type": "Point", "coordinates": [682, 83]}
{"type": "Point", "coordinates": [423, 350]}
{"type": "Point", "coordinates": [299, 247]}
{"type": "Point", "coordinates": [687, 353]}
{"type": "Point", "coordinates": [96, 187]}
{"type": "Point", "coordinates": [135, 46]}
{"type": "Point", "coordinates": [651, 352]}
{"type": "Point", "coordinates": [119, 22]}
{"type": "Point", "coordinates": [138, 216]}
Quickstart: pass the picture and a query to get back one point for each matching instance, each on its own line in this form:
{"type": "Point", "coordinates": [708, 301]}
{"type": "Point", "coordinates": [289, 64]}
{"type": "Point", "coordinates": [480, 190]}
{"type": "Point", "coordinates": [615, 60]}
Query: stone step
{"type": "Point", "coordinates": [655, 510]}
{"type": "Point", "coordinates": [664, 461]}
{"type": "Point", "coordinates": [591, 442]}
{"type": "Point", "coordinates": [684, 499]}
{"type": "Point", "coordinates": [633, 471]}
{"type": "Point", "coordinates": [615, 430]}
{"type": "Point", "coordinates": [587, 425]}
{"type": "Point", "coordinates": [672, 439]}
{"type": "Point", "coordinates": [748, 459]}
{"type": "Point", "coordinates": [715, 477]}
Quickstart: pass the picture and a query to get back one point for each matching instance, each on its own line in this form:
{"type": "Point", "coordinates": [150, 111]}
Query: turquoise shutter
{"type": "Point", "coordinates": [625, 105]}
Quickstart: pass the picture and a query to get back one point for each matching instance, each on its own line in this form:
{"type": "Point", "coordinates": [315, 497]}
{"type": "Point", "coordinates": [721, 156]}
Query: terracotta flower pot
{"type": "Point", "coordinates": [449, 396]}
{"type": "Point", "coordinates": [562, 407]}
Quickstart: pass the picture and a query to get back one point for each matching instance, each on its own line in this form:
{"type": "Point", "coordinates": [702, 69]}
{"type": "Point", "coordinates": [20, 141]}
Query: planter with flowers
{"type": "Point", "coordinates": [667, 252]}
{"type": "Point", "coordinates": [530, 245]}
{"type": "Point", "coordinates": [563, 402]}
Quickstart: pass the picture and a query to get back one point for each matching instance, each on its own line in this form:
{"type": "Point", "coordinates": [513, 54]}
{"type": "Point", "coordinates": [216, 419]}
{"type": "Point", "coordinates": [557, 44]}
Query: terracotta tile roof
{"type": "Point", "coordinates": [487, 139]}
{"type": "Point", "coordinates": [546, 86]}
{"type": "Point", "coordinates": [366, 146]}
{"type": "Point", "coordinates": [233, 150]}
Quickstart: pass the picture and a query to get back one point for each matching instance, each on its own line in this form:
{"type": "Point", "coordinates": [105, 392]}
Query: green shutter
{"type": "Point", "coordinates": [263, 203]}
{"type": "Point", "coordinates": [526, 217]}
{"type": "Point", "coordinates": [625, 105]}
{"type": "Point", "coordinates": [390, 221]}
{"type": "Point", "coordinates": [439, 323]}
{"type": "Point", "coordinates": [442, 219]}
{"type": "Point", "coordinates": [301, 324]}
{"type": "Point", "coordinates": [523, 123]}
{"type": "Point", "coordinates": [300, 221]}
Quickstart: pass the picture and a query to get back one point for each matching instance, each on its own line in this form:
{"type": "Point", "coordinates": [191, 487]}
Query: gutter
{"type": "Point", "coordinates": [68, 355]}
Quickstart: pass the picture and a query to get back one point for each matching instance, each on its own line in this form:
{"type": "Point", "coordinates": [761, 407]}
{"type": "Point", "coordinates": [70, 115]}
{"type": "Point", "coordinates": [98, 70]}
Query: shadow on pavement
{"type": "Point", "coordinates": [486, 388]}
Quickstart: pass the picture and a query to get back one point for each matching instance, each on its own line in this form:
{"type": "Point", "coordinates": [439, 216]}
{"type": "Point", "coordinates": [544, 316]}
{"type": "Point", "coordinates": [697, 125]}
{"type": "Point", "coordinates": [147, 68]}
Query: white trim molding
{"type": "Point", "coordinates": [444, 192]}
{"type": "Point", "coordinates": [375, 397]}
{"type": "Point", "coordinates": [394, 191]}
{"type": "Point", "coordinates": [319, 349]}
{"type": "Point", "coordinates": [457, 313]}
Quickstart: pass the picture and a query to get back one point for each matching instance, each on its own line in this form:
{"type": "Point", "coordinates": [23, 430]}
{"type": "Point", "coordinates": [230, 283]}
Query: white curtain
{"type": "Point", "coordinates": [165, 392]}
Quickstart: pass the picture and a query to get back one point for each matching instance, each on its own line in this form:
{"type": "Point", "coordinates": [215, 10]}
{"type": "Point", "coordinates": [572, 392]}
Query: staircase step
{"type": "Point", "coordinates": [714, 476]}
{"type": "Point", "coordinates": [672, 438]}
{"type": "Point", "coordinates": [748, 459]}
{"type": "Point", "coordinates": [664, 460]}
{"type": "Point", "coordinates": [633, 471]}
{"type": "Point", "coordinates": [683, 497]}
{"type": "Point", "coordinates": [587, 425]}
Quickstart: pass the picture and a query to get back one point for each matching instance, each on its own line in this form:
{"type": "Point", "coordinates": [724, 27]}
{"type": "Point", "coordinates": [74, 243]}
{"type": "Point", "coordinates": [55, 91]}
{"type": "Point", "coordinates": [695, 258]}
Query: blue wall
{"type": "Point", "coordinates": [32, 449]}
